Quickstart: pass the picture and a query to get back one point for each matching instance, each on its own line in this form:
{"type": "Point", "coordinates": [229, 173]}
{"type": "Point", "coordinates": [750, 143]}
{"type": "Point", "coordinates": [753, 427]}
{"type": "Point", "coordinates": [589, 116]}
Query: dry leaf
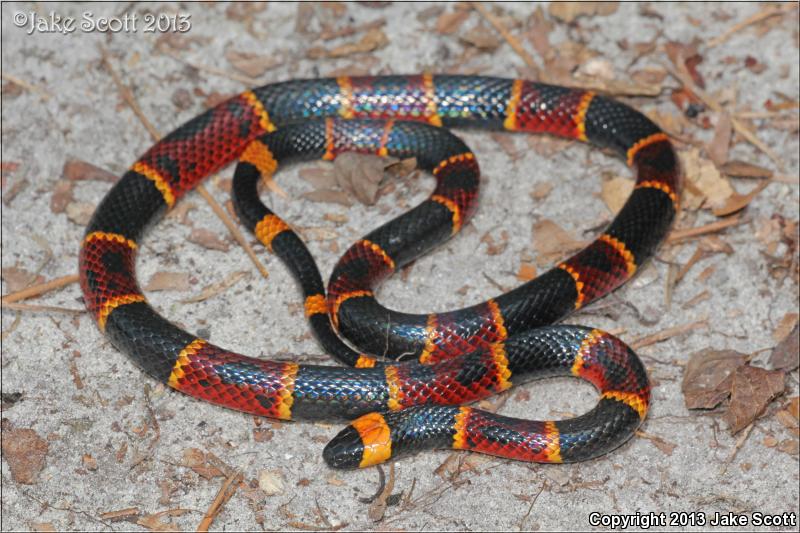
{"type": "Point", "coordinates": [329, 196]}
{"type": "Point", "coordinates": [493, 248]}
{"type": "Point", "coordinates": [271, 482]}
{"type": "Point", "coordinates": [359, 175]}
{"type": "Point", "coordinates": [737, 202]}
{"type": "Point", "coordinates": [743, 169]}
{"type": "Point", "coordinates": [539, 28]}
{"type": "Point", "coordinates": [786, 355]}
{"type": "Point", "coordinates": [508, 144]}
{"type": "Point", "coordinates": [80, 212]}
{"type": "Point", "coordinates": [597, 67]}
{"type": "Point", "coordinates": [481, 37]}
{"type": "Point", "coordinates": [154, 522]}
{"type": "Point", "coordinates": [208, 239]}
{"type": "Point", "coordinates": [450, 21]}
{"type": "Point", "coordinates": [721, 142]}
{"type": "Point", "coordinates": [752, 389]}
{"type": "Point", "coordinates": [75, 169]}
{"type": "Point", "coordinates": [17, 278]}
{"type": "Point", "coordinates": [25, 452]}
{"type": "Point", "coordinates": [793, 407]}
{"type": "Point", "coordinates": [526, 272]}
{"type": "Point", "coordinates": [402, 168]}
{"type": "Point", "coordinates": [569, 11]}
{"type": "Point", "coordinates": [615, 192]}
{"type": "Point", "coordinates": [62, 195]}
{"type": "Point", "coordinates": [552, 242]}
{"type": "Point", "coordinates": [785, 326]}
{"type": "Point", "coordinates": [168, 281]}
{"type": "Point", "coordinates": [541, 190]}
{"type": "Point", "coordinates": [318, 177]}
{"type": "Point", "coordinates": [373, 40]}
{"type": "Point", "coordinates": [253, 65]}
{"type": "Point", "coordinates": [708, 376]}
{"type": "Point", "coordinates": [705, 185]}
{"type": "Point", "coordinates": [790, 446]}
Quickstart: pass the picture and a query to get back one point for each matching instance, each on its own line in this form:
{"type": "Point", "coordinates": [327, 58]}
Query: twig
{"type": "Point", "coordinates": [226, 492]}
{"type": "Point", "coordinates": [41, 288]}
{"type": "Point", "coordinates": [233, 229]}
{"type": "Point", "coordinates": [250, 82]}
{"type": "Point", "coordinates": [127, 95]}
{"type": "Point", "coordinates": [28, 86]}
{"type": "Point", "coordinates": [739, 443]}
{"type": "Point", "coordinates": [753, 19]}
{"type": "Point", "coordinates": [668, 333]}
{"type": "Point", "coordinates": [679, 235]}
{"type": "Point", "coordinates": [530, 507]}
{"type": "Point", "coordinates": [31, 307]}
{"type": "Point", "coordinates": [510, 39]}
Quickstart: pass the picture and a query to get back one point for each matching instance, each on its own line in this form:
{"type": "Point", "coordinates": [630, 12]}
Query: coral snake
{"type": "Point", "coordinates": [396, 407]}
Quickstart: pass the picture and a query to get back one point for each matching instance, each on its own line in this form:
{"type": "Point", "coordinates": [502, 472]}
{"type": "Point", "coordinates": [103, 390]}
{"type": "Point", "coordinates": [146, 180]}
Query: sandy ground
{"type": "Point", "coordinates": [112, 439]}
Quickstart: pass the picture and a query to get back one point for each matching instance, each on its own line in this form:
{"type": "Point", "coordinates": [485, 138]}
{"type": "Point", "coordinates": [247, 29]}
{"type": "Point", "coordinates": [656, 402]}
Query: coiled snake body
{"type": "Point", "coordinates": [461, 356]}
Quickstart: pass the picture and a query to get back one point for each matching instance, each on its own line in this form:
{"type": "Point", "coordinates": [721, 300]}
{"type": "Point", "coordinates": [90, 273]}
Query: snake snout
{"type": "Point", "coordinates": [345, 450]}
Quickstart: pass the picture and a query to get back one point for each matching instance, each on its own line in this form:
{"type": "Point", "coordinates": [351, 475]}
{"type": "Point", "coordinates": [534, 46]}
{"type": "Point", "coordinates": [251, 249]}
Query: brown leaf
{"type": "Point", "coordinates": [153, 522]}
{"type": "Point", "coordinates": [552, 242]}
{"type": "Point", "coordinates": [508, 144]}
{"type": "Point", "coordinates": [705, 186]}
{"type": "Point", "coordinates": [75, 169]}
{"type": "Point", "coordinates": [79, 212]}
{"type": "Point", "coordinates": [790, 446]}
{"type": "Point", "coordinates": [372, 40]}
{"type": "Point", "coordinates": [449, 21]}
{"type": "Point", "coordinates": [319, 178]}
{"type": "Point", "coordinates": [686, 57]}
{"type": "Point", "coordinates": [243, 11]}
{"type": "Point", "coordinates": [737, 202]}
{"type": "Point", "coordinates": [721, 142]}
{"type": "Point", "coordinates": [493, 248]}
{"type": "Point", "coordinates": [359, 175]}
{"type": "Point", "coordinates": [481, 37]}
{"type": "Point", "coordinates": [786, 355]}
{"type": "Point", "coordinates": [615, 192]}
{"type": "Point", "coordinates": [328, 196]}
{"type": "Point", "coordinates": [402, 168]}
{"type": "Point", "coordinates": [25, 452]}
{"type": "Point", "coordinates": [569, 11]}
{"type": "Point", "coordinates": [526, 272]}
{"type": "Point", "coordinates": [208, 239]}
{"type": "Point", "coordinates": [785, 326]}
{"type": "Point", "coordinates": [168, 281]}
{"type": "Point", "coordinates": [752, 390]}
{"type": "Point", "coordinates": [539, 28]}
{"type": "Point", "coordinates": [541, 191]}
{"type": "Point", "coordinates": [8, 167]}
{"type": "Point", "coordinates": [793, 407]}
{"type": "Point", "coordinates": [62, 195]}
{"type": "Point", "coordinates": [253, 65]}
{"type": "Point", "coordinates": [708, 375]}
{"type": "Point", "coordinates": [18, 278]}
{"type": "Point", "coordinates": [743, 169]}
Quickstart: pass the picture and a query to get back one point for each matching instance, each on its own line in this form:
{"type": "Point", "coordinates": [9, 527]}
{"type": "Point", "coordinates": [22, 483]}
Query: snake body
{"type": "Point", "coordinates": [460, 356]}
